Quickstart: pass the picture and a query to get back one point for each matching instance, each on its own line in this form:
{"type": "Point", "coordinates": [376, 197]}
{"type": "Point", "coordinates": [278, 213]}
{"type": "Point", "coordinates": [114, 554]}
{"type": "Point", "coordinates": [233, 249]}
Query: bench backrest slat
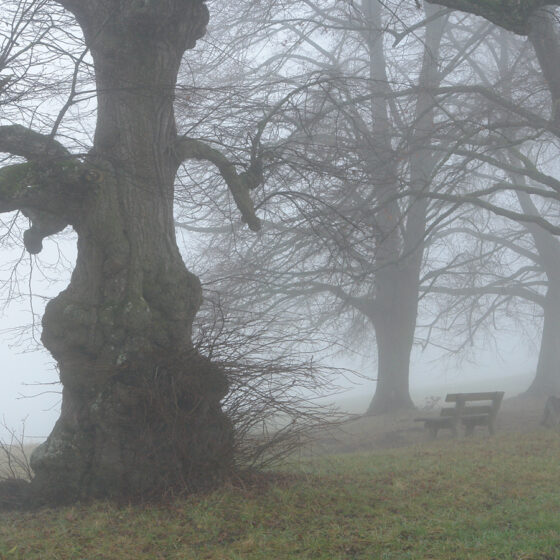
{"type": "Point", "coordinates": [490, 396]}
{"type": "Point", "coordinates": [462, 408]}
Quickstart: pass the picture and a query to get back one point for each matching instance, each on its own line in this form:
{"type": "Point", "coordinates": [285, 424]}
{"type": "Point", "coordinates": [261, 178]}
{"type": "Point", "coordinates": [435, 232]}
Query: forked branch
{"type": "Point", "coordinates": [239, 183]}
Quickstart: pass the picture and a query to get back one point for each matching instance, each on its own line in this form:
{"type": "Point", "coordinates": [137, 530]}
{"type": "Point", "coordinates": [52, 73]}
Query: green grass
{"type": "Point", "coordinates": [477, 499]}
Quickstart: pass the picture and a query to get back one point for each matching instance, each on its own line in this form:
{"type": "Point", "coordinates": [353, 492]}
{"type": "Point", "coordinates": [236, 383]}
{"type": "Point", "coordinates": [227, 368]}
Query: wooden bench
{"type": "Point", "coordinates": [465, 413]}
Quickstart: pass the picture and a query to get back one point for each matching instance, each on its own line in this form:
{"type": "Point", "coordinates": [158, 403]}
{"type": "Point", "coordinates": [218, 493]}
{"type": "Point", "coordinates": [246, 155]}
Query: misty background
{"type": "Point", "coordinates": [30, 397]}
{"type": "Point", "coordinates": [494, 359]}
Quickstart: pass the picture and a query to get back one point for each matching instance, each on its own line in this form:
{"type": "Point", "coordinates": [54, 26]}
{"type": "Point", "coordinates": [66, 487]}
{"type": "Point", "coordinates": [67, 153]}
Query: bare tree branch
{"type": "Point", "coordinates": [21, 141]}
{"type": "Point", "coordinates": [239, 183]}
{"type": "Point", "coordinates": [514, 291]}
{"type": "Point", "coordinates": [513, 15]}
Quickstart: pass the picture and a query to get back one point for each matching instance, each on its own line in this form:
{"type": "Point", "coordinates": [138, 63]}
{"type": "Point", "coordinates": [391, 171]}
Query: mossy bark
{"type": "Point", "coordinates": [141, 409]}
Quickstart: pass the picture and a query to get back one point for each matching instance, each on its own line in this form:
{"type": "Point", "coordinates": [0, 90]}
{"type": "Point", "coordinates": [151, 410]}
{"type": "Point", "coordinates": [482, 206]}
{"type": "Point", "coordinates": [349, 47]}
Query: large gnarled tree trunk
{"type": "Point", "coordinates": [141, 409]}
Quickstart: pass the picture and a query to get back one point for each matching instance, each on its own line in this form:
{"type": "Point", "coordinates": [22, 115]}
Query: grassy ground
{"type": "Point", "coordinates": [473, 499]}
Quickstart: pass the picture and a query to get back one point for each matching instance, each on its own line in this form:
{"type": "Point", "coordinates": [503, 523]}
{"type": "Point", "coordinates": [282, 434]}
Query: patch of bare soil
{"type": "Point", "coordinates": [376, 433]}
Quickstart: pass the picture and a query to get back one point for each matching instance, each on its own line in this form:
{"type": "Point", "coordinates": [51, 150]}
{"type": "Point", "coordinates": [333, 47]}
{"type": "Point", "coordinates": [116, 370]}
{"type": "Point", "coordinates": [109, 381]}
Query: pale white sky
{"type": "Point", "coordinates": [28, 370]}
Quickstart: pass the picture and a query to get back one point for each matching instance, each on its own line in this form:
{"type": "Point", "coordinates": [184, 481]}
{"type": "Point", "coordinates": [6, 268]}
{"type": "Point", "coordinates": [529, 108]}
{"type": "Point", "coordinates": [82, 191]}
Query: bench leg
{"type": "Point", "coordinates": [433, 431]}
{"type": "Point", "coordinates": [491, 428]}
{"type": "Point", "coordinates": [469, 429]}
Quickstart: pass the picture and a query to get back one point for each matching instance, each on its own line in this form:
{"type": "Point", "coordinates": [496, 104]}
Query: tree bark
{"type": "Point", "coordinates": [141, 409]}
{"type": "Point", "coordinates": [547, 378]}
{"type": "Point", "coordinates": [394, 322]}
{"type": "Point", "coordinates": [544, 38]}
{"type": "Point", "coordinates": [513, 15]}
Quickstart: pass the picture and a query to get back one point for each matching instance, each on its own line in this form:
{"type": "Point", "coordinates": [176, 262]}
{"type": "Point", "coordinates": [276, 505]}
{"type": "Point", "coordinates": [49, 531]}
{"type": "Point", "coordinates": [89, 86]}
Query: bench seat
{"type": "Point", "coordinates": [469, 416]}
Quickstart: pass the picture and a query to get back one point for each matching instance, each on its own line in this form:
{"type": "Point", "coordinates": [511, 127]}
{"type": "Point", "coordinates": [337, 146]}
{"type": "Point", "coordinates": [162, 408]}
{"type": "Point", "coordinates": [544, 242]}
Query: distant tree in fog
{"type": "Point", "coordinates": [355, 195]}
{"type": "Point", "coordinates": [513, 15]}
{"type": "Point", "coordinates": [347, 205]}
{"type": "Point", "coordinates": [518, 157]}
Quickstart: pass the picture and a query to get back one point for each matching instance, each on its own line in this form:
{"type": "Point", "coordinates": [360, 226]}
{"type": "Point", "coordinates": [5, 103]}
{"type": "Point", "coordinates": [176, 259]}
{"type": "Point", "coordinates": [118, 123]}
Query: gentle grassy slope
{"type": "Point", "coordinates": [477, 499]}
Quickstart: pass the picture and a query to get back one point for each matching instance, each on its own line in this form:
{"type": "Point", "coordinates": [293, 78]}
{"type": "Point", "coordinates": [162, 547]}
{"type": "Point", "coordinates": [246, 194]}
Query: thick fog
{"type": "Point", "coordinates": [31, 398]}
{"type": "Point", "coordinates": [504, 360]}
{"type": "Point", "coordinates": [375, 151]}
{"type": "Point", "coordinates": [31, 395]}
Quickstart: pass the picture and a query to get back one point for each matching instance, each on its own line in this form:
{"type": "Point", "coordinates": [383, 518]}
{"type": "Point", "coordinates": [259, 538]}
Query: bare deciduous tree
{"type": "Point", "coordinates": [347, 204]}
